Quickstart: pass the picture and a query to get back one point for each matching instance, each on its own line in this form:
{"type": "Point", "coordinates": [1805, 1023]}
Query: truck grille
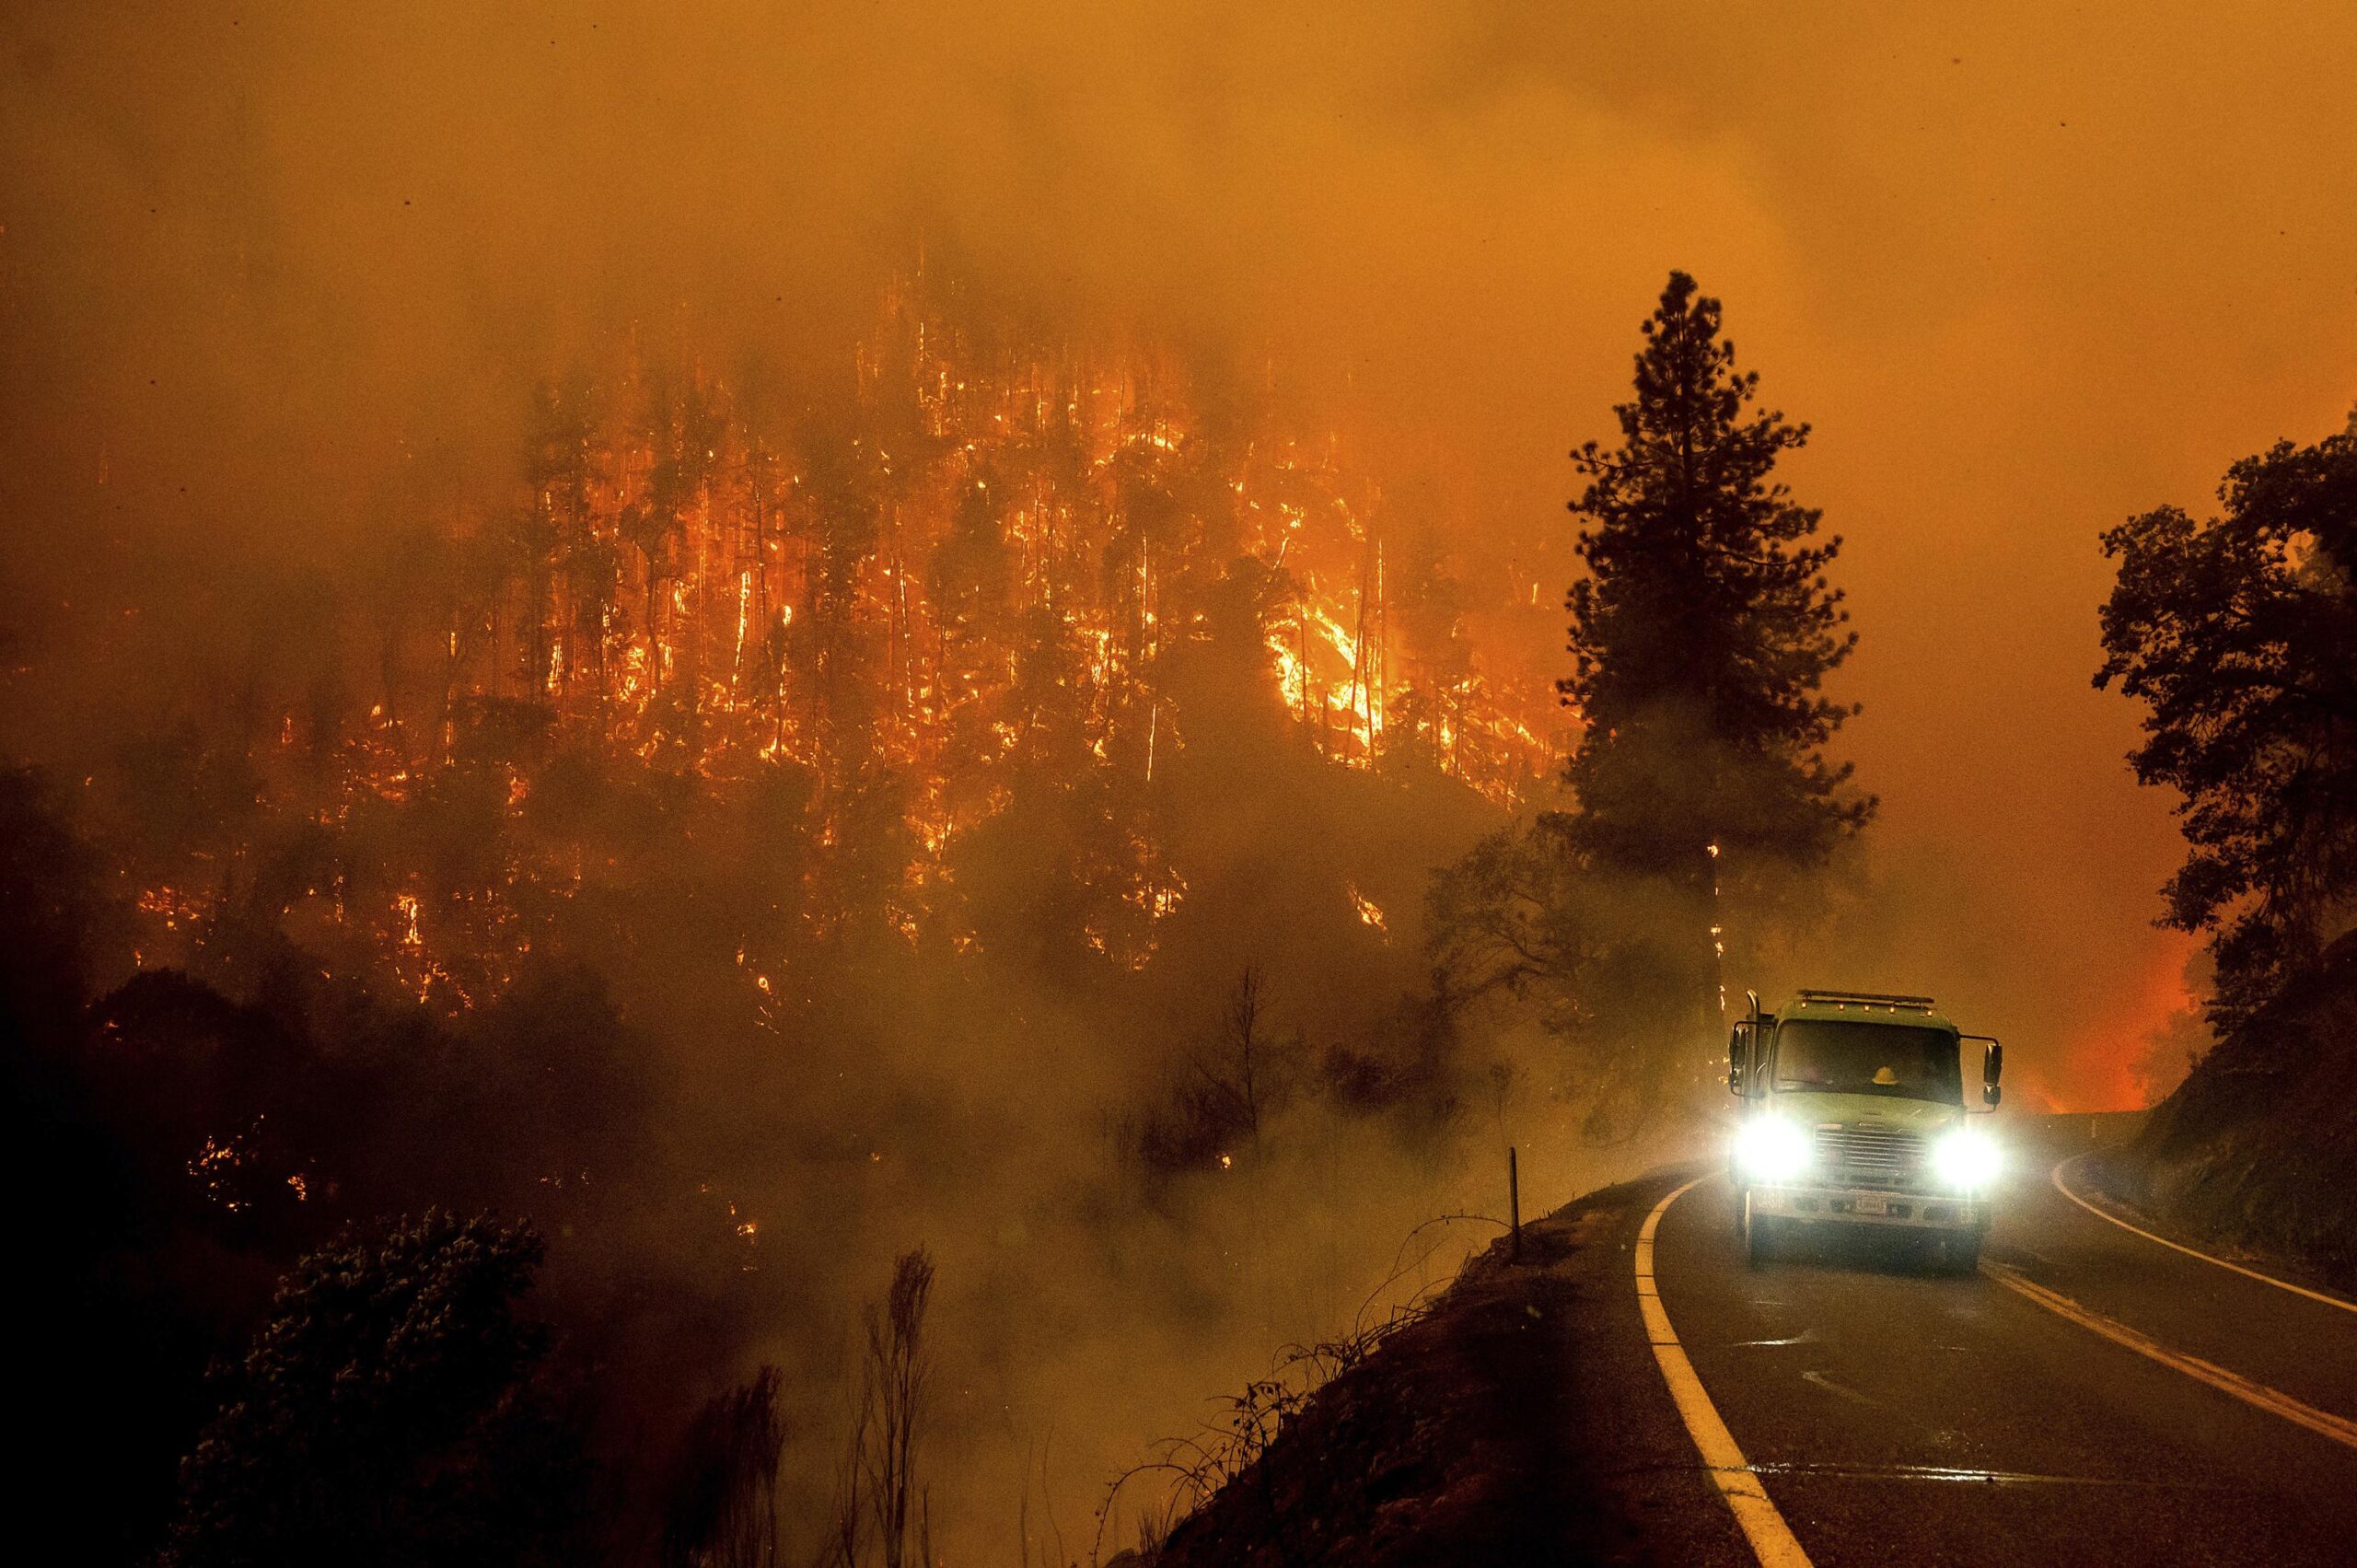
{"type": "Point", "coordinates": [1877, 1156]}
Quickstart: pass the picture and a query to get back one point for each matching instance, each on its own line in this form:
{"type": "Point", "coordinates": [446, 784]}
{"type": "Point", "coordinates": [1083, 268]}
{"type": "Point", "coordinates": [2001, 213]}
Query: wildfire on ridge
{"type": "Point", "coordinates": [986, 551]}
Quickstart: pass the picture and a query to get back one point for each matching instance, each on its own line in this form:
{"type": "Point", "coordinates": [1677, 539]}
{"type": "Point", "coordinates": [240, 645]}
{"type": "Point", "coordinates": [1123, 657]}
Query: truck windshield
{"type": "Point", "coordinates": [1894, 1060]}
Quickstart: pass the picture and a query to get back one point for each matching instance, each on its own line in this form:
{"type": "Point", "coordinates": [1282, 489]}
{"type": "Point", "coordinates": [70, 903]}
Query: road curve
{"type": "Point", "coordinates": [2052, 1409]}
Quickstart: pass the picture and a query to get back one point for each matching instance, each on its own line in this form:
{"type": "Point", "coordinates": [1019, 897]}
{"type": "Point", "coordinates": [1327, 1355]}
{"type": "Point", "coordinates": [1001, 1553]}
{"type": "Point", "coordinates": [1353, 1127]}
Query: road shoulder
{"type": "Point", "coordinates": [1523, 1421]}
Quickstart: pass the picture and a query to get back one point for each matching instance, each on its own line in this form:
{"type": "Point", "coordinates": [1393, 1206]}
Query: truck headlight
{"type": "Point", "coordinates": [1769, 1148]}
{"type": "Point", "coordinates": [1966, 1157]}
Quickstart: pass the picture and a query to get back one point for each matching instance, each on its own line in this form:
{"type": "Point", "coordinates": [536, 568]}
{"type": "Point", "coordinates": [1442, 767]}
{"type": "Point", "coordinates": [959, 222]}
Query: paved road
{"type": "Point", "coordinates": [1896, 1416]}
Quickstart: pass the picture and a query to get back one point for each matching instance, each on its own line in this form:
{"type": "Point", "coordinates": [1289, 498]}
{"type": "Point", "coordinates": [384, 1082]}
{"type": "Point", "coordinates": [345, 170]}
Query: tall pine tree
{"type": "Point", "coordinates": [1701, 636]}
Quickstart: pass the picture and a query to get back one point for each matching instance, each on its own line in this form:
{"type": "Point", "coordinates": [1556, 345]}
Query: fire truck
{"type": "Point", "coordinates": [1854, 1115]}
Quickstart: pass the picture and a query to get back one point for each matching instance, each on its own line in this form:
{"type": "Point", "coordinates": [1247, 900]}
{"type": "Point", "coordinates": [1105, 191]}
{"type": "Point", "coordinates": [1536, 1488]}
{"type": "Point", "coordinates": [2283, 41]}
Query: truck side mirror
{"type": "Point", "coordinates": [1738, 1057]}
{"type": "Point", "coordinates": [1992, 1067]}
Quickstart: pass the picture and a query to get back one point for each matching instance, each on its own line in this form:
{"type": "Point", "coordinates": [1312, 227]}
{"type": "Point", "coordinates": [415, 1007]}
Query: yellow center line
{"type": "Point", "coordinates": [1747, 1497]}
{"type": "Point", "coordinates": [2176, 1246]}
{"type": "Point", "coordinates": [2273, 1401]}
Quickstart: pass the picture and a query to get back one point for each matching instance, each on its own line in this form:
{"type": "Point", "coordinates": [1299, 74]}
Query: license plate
{"type": "Point", "coordinates": [1872, 1204]}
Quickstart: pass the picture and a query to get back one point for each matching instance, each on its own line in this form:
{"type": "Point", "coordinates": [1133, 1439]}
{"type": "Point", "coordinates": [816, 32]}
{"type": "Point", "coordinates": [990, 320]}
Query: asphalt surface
{"type": "Point", "coordinates": [1897, 1415]}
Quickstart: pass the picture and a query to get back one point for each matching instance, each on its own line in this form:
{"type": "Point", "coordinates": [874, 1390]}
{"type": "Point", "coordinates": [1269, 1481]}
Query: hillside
{"type": "Point", "coordinates": [1498, 1430]}
{"type": "Point", "coordinates": [2257, 1150]}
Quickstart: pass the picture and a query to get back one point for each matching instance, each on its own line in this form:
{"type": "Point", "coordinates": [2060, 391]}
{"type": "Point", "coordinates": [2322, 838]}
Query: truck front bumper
{"type": "Point", "coordinates": [1872, 1206]}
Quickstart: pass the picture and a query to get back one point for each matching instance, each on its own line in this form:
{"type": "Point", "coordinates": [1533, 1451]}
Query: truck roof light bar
{"type": "Point", "coordinates": [1869, 999]}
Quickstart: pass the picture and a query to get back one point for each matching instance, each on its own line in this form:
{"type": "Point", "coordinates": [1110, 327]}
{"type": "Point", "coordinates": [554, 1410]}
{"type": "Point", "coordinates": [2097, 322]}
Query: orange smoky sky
{"type": "Point", "coordinates": [2024, 269]}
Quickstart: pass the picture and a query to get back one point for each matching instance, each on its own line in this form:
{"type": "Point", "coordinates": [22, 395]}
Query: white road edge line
{"type": "Point", "coordinates": [1747, 1496]}
{"type": "Point", "coordinates": [2179, 1247]}
{"type": "Point", "coordinates": [2275, 1402]}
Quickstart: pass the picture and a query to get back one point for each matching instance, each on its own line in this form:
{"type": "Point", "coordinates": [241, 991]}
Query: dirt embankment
{"type": "Point", "coordinates": [2257, 1150]}
{"type": "Point", "coordinates": [1521, 1422]}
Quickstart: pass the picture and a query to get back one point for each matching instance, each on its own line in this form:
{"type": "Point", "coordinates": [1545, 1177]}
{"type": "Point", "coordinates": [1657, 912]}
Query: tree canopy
{"type": "Point", "coordinates": [1701, 636]}
{"type": "Point", "coordinates": [389, 1412]}
{"type": "Point", "coordinates": [2239, 635]}
{"type": "Point", "coordinates": [1704, 630]}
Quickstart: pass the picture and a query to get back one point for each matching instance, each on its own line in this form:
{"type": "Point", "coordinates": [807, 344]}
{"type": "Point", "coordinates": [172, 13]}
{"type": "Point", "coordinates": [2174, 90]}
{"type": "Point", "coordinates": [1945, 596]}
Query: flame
{"type": "Point", "coordinates": [703, 581]}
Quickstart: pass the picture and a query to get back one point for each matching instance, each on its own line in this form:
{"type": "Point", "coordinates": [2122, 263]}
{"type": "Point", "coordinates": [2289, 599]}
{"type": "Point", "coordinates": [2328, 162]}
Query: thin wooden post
{"type": "Point", "coordinates": [1514, 1205]}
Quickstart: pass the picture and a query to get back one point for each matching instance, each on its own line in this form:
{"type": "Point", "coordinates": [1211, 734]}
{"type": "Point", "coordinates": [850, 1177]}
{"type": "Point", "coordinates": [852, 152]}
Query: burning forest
{"type": "Point", "coordinates": [747, 814]}
{"type": "Point", "coordinates": [821, 785]}
{"type": "Point", "coordinates": [983, 578]}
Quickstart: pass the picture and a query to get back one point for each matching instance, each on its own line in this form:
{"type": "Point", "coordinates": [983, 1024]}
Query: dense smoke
{"type": "Point", "coordinates": [283, 291]}
{"type": "Point", "coordinates": [544, 793]}
{"type": "Point", "coordinates": [276, 276]}
{"type": "Point", "coordinates": [751, 844]}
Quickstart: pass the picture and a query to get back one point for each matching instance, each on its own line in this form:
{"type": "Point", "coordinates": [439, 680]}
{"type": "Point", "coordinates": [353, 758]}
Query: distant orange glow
{"type": "Point", "coordinates": [2099, 1062]}
{"type": "Point", "coordinates": [1436, 232]}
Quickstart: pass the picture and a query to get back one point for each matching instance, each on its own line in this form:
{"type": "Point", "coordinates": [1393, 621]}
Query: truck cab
{"type": "Point", "coordinates": [1855, 1114]}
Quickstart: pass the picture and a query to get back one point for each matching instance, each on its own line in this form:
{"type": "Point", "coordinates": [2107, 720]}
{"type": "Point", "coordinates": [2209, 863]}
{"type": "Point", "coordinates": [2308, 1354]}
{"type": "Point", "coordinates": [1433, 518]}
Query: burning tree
{"type": "Point", "coordinates": [693, 776]}
{"type": "Point", "coordinates": [974, 582]}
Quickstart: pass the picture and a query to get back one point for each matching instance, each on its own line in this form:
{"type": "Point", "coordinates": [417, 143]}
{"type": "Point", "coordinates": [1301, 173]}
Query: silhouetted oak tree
{"type": "Point", "coordinates": [2239, 635]}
